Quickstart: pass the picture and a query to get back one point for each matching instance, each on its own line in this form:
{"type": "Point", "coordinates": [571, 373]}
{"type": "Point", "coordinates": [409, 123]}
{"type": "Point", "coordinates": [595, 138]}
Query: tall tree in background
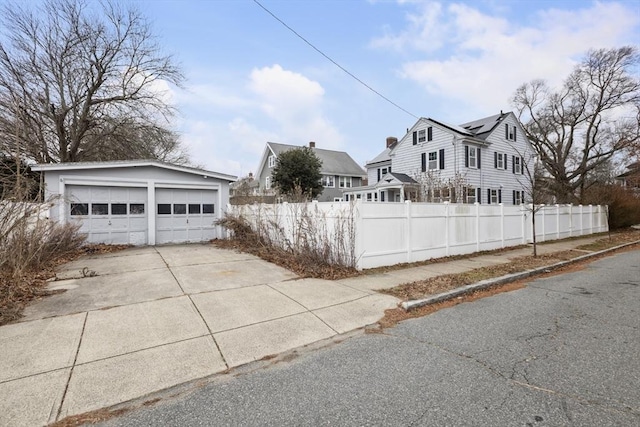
{"type": "Point", "coordinates": [297, 173]}
{"type": "Point", "coordinates": [83, 81]}
{"type": "Point", "coordinates": [582, 125]}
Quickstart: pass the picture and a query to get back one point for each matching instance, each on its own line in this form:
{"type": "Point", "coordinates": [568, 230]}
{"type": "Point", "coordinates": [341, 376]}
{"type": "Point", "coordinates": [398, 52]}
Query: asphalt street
{"type": "Point", "coordinates": [563, 351]}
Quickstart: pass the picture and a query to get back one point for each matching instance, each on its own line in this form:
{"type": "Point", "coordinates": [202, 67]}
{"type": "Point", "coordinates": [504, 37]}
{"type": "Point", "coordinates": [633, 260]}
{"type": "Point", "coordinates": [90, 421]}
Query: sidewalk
{"type": "Point", "coordinates": [156, 317]}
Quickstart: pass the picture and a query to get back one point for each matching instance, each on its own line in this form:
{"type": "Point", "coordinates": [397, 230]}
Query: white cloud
{"type": "Point", "coordinates": [272, 104]}
{"type": "Point", "coordinates": [486, 57]}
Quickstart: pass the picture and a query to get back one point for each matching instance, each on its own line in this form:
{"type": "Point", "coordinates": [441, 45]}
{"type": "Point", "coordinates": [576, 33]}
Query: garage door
{"type": "Point", "coordinates": [116, 215]}
{"type": "Point", "coordinates": [185, 215]}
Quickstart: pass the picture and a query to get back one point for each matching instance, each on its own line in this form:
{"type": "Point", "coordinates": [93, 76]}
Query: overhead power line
{"type": "Point", "coordinates": [332, 61]}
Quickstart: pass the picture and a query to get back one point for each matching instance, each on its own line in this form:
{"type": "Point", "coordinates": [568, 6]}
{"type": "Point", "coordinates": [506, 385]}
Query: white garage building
{"type": "Point", "coordinates": [138, 202]}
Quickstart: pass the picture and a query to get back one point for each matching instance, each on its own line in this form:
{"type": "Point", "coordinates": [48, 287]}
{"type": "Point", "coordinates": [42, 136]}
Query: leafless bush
{"type": "Point", "coordinates": [300, 236]}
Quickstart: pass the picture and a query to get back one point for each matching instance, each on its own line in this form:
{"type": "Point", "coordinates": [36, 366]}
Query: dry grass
{"type": "Point", "coordinates": [311, 252]}
{"type": "Point", "coordinates": [424, 288]}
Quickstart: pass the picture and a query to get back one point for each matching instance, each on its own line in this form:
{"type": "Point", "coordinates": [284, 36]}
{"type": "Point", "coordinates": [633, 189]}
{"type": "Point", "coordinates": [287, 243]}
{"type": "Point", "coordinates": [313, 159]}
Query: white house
{"type": "Point", "coordinates": [137, 202]}
{"type": "Point", "coordinates": [339, 171]}
{"type": "Point", "coordinates": [489, 160]}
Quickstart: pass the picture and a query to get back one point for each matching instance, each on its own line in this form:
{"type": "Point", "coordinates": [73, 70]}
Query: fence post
{"type": "Point", "coordinates": [358, 223]}
{"type": "Point", "coordinates": [590, 219]}
{"type": "Point", "coordinates": [477, 227]}
{"type": "Point", "coordinates": [407, 227]}
{"type": "Point", "coordinates": [523, 209]}
{"type": "Point", "coordinates": [502, 225]}
{"type": "Point", "coordinates": [446, 228]}
{"type": "Point", "coordinates": [570, 220]}
{"type": "Point", "coordinates": [557, 221]}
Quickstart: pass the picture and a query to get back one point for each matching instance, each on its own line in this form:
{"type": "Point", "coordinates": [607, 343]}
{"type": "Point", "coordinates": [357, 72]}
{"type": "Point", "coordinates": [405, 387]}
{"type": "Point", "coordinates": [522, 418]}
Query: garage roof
{"type": "Point", "coordinates": [130, 164]}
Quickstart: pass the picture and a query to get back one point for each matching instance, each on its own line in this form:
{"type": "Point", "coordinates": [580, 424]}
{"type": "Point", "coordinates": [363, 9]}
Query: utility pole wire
{"type": "Point", "coordinates": [334, 62]}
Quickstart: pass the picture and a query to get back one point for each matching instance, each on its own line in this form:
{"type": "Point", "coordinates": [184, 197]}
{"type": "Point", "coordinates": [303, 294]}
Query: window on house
{"type": "Point", "coordinates": [493, 196]}
{"type": "Point", "coordinates": [358, 196]}
{"type": "Point", "coordinates": [346, 197]}
{"type": "Point", "coordinates": [208, 208]}
{"type": "Point", "coordinates": [382, 196]}
{"type": "Point", "coordinates": [369, 197]}
{"type": "Point", "coordinates": [194, 208]}
{"type": "Point", "coordinates": [118, 208]}
{"type": "Point", "coordinates": [267, 183]}
{"type": "Point", "coordinates": [499, 160]}
{"type": "Point", "coordinates": [517, 165]}
{"type": "Point", "coordinates": [136, 209]}
{"type": "Point", "coordinates": [510, 132]}
{"type": "Point", "coordinates": [99, 209]}
{"type": "Point", "coordinates": [179, 208]}
{"type": "Point", "coordinates": [272, 161]}
{"type": "Point", "coordinates": [328, 181]}
{"type": "Point", "coordinates": [433, 160]}
{"type": "Point", "coordinates": [78, 209]}
{"type": "Point", "coordinates": [469, 195]}
{"type": "Point", "coordinates": [337, 199]}
{"type": "Point", "coordinates": [384, 171]}
{"type": "Point", "coordinates": [517, 197]}
{"type": "Point", "coordinates": [472, 157]}
{"type": "Point", "coordinates": [422, 135]}
{"type": "Point", "coordinates": [345, 182]}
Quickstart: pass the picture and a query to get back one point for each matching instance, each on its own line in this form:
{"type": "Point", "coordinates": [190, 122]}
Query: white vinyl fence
{"type": "Point", "coordinates": [391, 233]}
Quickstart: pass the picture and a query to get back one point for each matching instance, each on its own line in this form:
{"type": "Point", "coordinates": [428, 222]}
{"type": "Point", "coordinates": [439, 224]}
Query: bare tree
{"type": "Point", "coordinates": [588, 120]}
{"type": "Point", "coordinates": [83, 81]}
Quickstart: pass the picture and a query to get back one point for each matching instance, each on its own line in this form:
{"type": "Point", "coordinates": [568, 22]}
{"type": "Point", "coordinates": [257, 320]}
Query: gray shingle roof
{"type": "Point", "coordinates": [403, 178]}
{"type": "Point", "coordinates": [481, 127]}
{"type": "Point", "coordinates": [333, 162]}
{"type": "Point", "coordinates": [382, 157]}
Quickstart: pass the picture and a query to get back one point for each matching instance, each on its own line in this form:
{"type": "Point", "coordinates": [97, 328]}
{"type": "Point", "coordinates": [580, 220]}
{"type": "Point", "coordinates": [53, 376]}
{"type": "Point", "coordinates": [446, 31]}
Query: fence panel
{"type": "Point", "coordinates": [391, 233]}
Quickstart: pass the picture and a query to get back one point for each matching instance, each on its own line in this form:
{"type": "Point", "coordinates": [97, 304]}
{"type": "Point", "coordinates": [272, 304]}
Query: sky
{"type": "Point", "coordinates": [251, 80]}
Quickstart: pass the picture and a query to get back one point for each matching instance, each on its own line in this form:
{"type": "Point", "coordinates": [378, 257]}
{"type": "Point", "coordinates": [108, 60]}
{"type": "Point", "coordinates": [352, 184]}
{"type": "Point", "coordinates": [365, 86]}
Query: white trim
{"type": "Point", "coordinates": [151, 212]}
{"type": "Point", "coordinates": [130, 164]}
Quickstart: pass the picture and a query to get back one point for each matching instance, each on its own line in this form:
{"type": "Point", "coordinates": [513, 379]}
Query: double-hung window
{"type": "Point", "coordinates": [517, 165]}
{"type": "Point", "coordinates": [272, 161]}
{"type": "Point", "coordinates": [267, 183]}
{"type": "Point", "coordinates": [328, 181]}
{"type": "Point", "coordinates": [345, 182]}
{"type": "Point", "coordinates": [422, 135]}
{"type": "Point", "coordinates": [472, 157]}
{"type": "Point", "coordinates": [500, 161]}
{"type": "Point", "coordinates": [433, 160]}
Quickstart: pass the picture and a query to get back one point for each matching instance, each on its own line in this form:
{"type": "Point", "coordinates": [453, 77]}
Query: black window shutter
{"type": "Point", "coordinates": [513, 164]}
{"type": "Point", "coordinates": [479, 156]}
{"type": "Point", "coordinates": [513, 196]}
{"type": "Point", "coordinates": [495, 159]}
{"type": "Point", "coordinates": [378, 174]}
{"type": "Point", "coordinates": [466, 156]}
{"type": "Point", "coordinates": [429, 133]}
{"type": "Point", "coordinates": [514, 133]}
{"type": "Point", "coordinates": [521, 165]}
{"type": "Point", "coordinates": [424, 162]}
{"type": "Point", "coordinates": [488, 196]}
{"type": "Point", "coordinates": [441, 157]}
{"type": "Point", "coordinates": [389, 169]}
{"type": "Point", "coordinates": [504, 156]}
{"type": "Point", "coordinates": [506, 131]}
{"type": "Point", "coordinates": [499, 196]}
{"type": "Point", "coordinates": [415, 137]}
{"type": "Point", "coordinates": [522, 197]}
{"type": "Point", "coordinates": [479, 195]}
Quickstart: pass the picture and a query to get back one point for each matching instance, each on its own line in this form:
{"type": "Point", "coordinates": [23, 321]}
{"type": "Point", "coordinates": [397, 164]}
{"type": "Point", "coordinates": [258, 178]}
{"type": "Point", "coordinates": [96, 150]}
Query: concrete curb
{"type": "Point", "coordinates": [507, 278]}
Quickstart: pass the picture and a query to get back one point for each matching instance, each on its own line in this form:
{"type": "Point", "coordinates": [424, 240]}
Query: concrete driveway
{"type": "Point", "coordinates": [141, 320]}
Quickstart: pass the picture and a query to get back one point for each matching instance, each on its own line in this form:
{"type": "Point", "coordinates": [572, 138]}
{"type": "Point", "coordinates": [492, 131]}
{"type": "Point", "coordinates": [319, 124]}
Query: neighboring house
{"type": "Point", "coordinates": [137, 202]}
{"type": "Point", "coordinates": [339, 171]}
{"type": "Point", "coordinates": [246, 186]}
{"type": "Point", "coordinates": [631, 177]}
{"type": "Point", "coordinates": [481, 161]}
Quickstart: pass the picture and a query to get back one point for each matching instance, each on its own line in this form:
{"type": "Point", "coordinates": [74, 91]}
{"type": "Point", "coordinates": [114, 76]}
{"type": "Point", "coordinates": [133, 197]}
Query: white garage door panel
{"type": "Point", "coordinates": [184, 220]}
{"type": "Point", "coordinates": [106, 214]}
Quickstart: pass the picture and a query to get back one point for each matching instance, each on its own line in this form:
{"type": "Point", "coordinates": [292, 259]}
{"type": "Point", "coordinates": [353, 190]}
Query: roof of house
{"type": "Point", "coordinates": [481, 128]}
{"type": "Point", "coordinates": [402, 177]}
{"type": "Point", "coordinates": [333, 162]}
{"type": "Point", "coordinates": [382, 157]}
{"type": "Point", "coordinates": [130, 163]}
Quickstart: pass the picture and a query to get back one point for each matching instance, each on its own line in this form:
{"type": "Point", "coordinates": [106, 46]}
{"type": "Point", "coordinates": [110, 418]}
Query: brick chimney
{"type": "Point", "coordinates": [391, 140]}
{"type": "Point", "coordinates": [312, 144]}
